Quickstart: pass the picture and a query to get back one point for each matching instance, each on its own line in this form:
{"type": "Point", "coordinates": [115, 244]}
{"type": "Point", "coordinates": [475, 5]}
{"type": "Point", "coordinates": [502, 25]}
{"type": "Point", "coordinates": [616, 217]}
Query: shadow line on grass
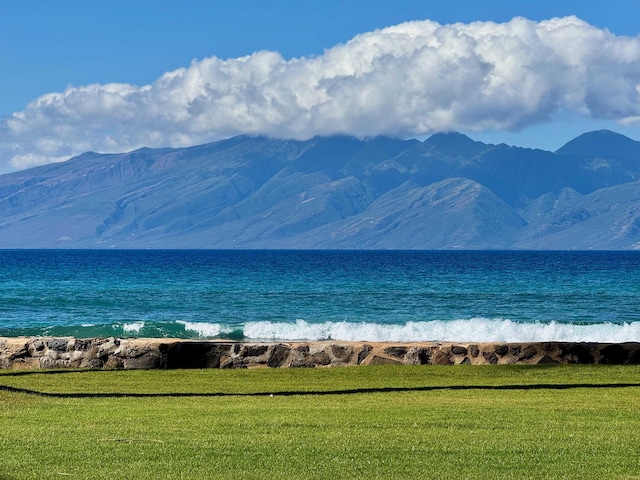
{"type": "Point", "coordinates": [290, 393]}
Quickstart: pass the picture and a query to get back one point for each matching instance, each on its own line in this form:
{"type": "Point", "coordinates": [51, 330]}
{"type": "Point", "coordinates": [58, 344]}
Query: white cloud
{"type": "Point", "coordinates": [410, 79]}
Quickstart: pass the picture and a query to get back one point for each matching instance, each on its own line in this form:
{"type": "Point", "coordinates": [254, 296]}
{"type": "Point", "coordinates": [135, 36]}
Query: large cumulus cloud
{"type": "Point", "coordinates": [410, 79]}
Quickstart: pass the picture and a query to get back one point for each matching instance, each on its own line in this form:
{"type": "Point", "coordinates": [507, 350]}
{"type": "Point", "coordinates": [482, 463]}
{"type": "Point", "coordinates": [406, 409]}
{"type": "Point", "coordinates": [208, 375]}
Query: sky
{"type": "Point", "coordinates": [117, 75]}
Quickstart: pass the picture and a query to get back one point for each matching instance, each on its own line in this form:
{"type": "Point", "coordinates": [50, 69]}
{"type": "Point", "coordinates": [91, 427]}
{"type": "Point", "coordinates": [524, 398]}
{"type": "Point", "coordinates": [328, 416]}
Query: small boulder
{"type": "Point", "coordinates": [398, 352]}
{"type": "Point", "coordinates": [342, 353]}
{"type": "Point", "coordinates": [58, 344]}
{"type": "Point", "coordinates": [146, 361]}
{"type": "Point", "coordinates": [418, 356]}
{"type": "Point", "coordinates": [254, 350]}
{"type": "Point", "coordinates": [278, 355]}
{"type": "Point", "coordinates": [458, 350]}
{"type": "Point", "coordinates": [547, 360]}
{"type": "Point", "coordinates": [378, 360]}
{"type": "Point", "coordinates": [502, 350]}
{"type": "Point", "coordinates": [321, 358]}
{"type": "Point", "coordinates": [233, 362]}
{"type": "Point", "coordinates": [529, 352]}
{"type": "Point", "coordinates": [440, 357]}
{"type": "Point", "coordinates": [490, 357]}
{"type": "Point", "coordinates": [364, 353]}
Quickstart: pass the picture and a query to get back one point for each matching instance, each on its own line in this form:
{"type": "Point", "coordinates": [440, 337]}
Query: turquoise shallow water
{"type": "Point", "coordinates": [346, 295]}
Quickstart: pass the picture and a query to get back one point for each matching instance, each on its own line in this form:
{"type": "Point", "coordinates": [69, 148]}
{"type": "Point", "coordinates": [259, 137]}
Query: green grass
{"type": "Point", "coordinates": [370, 422]}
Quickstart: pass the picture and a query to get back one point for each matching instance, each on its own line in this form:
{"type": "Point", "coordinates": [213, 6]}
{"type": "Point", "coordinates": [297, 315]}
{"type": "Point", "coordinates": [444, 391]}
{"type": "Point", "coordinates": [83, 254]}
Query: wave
{"type": "Point", "coordinates": [210, 330]}
{"type": "Point", "coordinates": [464, 330]}
{"type": "Point", "coordinates": [472, 330]}
{"type": "Point", "coordinates": [133, 328]}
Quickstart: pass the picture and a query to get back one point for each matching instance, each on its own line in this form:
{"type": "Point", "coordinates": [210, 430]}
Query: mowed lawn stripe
{"type": "Point", "coordinates": [581, 432]}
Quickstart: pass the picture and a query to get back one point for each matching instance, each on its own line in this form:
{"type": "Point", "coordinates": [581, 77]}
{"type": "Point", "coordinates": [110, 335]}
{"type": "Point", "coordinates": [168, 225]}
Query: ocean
{"type": "Point", "coordinates": [503, 296]}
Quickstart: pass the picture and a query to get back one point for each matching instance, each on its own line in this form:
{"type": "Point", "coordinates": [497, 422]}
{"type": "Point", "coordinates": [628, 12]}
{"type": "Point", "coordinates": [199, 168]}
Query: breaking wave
{"type": "Point", "coordinates": [473, 330]}
{"type": "Point", "coordinates": [133, 328]}
{"type": "Point", "coordinates": [467, 330]}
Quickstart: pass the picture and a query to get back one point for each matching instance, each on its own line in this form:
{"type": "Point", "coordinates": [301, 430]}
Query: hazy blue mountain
{"type": "Point", "coordinates": [602, 143]}
{"type": "Point", "coordinates": [608, 218]}
{"type": "Point", "coordinates": [452, 213]}
{"type": "Point", "coordinates": [448, 191]}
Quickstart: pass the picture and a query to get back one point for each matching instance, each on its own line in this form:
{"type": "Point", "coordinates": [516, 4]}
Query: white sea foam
{"type": "Point", "coordinates": [134, 327]}
{"type": "Point", "coordinates": [473, 330]}
{"type": "Point", "coordinates": [206, 330]}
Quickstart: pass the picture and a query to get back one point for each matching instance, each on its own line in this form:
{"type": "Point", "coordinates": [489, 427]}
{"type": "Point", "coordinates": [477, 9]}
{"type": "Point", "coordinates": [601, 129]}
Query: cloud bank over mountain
{"type": "Point", "coordinates": [406, 80]}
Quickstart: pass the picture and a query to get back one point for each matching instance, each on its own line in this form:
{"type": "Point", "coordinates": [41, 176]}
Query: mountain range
{"type": "Point", "coordinates": [446, 192]}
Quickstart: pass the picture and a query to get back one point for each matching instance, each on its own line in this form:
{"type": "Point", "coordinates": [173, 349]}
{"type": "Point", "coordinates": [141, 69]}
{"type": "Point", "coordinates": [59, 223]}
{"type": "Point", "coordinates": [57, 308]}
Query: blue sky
{"type": "Point", "coordinates": [51, 46]}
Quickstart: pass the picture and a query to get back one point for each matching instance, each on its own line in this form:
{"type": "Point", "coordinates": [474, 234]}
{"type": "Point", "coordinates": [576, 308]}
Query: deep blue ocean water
{"type": "Point", "coordinates": [342, 295]}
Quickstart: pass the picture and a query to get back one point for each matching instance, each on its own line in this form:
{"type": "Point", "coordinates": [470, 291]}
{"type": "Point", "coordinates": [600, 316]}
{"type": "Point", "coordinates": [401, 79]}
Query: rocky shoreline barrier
{"type": "Point", "coordinates": [162, 353]}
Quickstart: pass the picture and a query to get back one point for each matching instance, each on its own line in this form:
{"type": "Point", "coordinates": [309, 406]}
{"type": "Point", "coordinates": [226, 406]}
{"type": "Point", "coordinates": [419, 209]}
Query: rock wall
{"type": "Point", "coordinates": [117, 353]}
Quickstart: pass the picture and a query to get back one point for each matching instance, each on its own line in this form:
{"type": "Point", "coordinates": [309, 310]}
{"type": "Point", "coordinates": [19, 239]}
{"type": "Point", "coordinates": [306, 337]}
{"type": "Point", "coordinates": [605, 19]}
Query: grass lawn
{"type": "Point", "coordinates": [354, 422]}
